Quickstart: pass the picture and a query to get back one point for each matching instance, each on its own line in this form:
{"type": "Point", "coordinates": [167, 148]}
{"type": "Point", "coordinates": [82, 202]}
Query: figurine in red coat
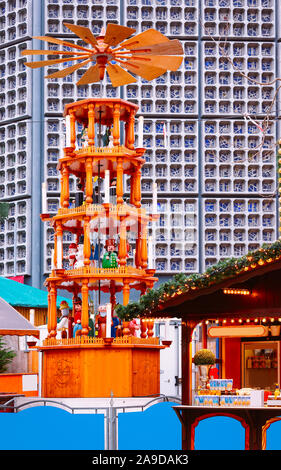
{"type": "Point", "coordinates": [101, 322]}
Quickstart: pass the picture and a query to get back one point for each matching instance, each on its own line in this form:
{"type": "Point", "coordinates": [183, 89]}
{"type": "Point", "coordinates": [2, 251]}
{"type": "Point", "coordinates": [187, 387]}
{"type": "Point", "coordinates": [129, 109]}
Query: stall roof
{"type": "Point", "coordinates": [13, 323]}
{"type": "Point", "coordinates": [201, 294]}
{"type": "Point", "coordinates": [21, 295]}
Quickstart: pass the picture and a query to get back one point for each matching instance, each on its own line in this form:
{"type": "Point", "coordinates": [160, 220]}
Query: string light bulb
{"type": "Point", "coordinates": [236, 291]}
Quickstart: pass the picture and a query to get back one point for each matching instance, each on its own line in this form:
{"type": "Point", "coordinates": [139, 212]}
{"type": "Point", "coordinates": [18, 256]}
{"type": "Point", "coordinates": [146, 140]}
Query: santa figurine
{"type": "Point", "coordinates": [72, 254]}
{"type": "Point", "coordinates": [110, 257]}
{"type": "Point", "coordinates": [101, 322]}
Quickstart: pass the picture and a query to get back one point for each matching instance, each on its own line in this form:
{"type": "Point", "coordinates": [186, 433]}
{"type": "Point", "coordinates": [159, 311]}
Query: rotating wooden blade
{"type": "Point", "coordinates": [148, 37]}
{"type": "Point", "coordinates": [50, 52]}
{"type": "Point", "coordinates": [90, 76]}
{"type": "Point", "coordinates": [83, 33]}
{"type": "Point", "coordinates": [63, 43]}
{"type": "Point", "coordinates": [119, 76]}
{"type": "Point", "coordinates": [116, 33]}
{"type": "Point", "coordinates": [164, 61]}
{"type": "Point", "coordinates": [64, 72]}
{"type": "Point", "coordinates": [145, 71]}
{"type": "Point", "coordinates": [172, 47]}
{"type": "Point", "coordinates": [43, 63]}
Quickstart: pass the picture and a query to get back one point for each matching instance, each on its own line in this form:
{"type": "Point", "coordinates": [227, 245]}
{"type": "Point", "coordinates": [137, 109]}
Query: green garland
{"type": "Point", "coordinates": [182, 283]}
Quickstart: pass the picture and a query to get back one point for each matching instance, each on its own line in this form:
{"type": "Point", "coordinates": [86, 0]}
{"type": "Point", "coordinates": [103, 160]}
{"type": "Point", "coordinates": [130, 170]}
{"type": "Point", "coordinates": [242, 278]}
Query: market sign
{"type": "Point", "coordinates": [237, 331]}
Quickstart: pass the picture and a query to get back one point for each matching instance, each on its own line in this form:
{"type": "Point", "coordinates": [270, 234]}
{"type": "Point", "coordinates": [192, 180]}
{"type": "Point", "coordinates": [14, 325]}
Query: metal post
{"type": "Point", "coordinates": [112, 426]}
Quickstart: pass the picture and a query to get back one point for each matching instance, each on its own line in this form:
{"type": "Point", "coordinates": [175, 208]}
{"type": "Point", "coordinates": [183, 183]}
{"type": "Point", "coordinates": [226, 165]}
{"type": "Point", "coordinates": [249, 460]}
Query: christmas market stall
{"type": "Point", "coordinates": [13, 324]}
{"type": "Point", "coordinates": [237, 302]}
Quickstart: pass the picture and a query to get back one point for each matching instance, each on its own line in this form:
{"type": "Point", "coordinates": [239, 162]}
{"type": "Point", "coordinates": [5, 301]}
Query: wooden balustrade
{"type": "Point", "coordinates": [88, 340]}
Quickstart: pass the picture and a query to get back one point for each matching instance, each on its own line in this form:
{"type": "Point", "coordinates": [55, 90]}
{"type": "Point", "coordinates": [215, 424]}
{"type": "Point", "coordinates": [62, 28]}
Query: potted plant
{"type": "Point", "coordinates": [204, 359]}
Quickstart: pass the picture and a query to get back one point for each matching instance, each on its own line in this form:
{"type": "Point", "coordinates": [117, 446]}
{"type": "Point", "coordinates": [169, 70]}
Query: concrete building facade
{"type": "Point", "coordinates": [210, 128]}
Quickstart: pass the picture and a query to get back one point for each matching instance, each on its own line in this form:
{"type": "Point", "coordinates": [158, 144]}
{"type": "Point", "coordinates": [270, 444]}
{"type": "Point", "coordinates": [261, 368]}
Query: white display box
{"type": "Point", "coordinates": [257, 398]}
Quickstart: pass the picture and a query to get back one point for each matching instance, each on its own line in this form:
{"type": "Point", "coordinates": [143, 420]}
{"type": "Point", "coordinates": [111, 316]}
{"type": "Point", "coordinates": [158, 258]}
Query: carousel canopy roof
{"type": "Point", "coordinates": [13, 323]}
{"type": "Point", "coordinates": [21, 295]}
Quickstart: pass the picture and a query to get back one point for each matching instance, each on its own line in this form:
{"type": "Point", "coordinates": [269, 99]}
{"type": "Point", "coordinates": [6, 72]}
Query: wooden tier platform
{"type": "Point", "coordinates": [89, 367]}
{"type": "Point", "coordinates": [102, 159]}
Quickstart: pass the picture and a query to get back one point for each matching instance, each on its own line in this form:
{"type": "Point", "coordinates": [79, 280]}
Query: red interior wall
{"type": "Point", "coordinates": [233, 360]}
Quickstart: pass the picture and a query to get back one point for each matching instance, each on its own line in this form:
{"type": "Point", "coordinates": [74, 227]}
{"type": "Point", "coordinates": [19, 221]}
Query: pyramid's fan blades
{"type": "Point", "coordinates": [148, 54]}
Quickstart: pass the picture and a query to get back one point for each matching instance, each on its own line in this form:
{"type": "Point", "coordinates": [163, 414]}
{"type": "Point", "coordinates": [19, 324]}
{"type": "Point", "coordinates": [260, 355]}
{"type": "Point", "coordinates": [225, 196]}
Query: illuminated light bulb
{"type": "Point", "coordinates": [264, 320]}
{"type": "Point", "coordinates": [217, 321]}
{"type": "Point", "coordinates": [261, 262]}
{"type": "Point", "coordinates": [272, 320]}
{"type": "Point", "coordinates": [256, 320]}
{"type": "Point", "coordinates": [248, 321]}
{"type": "Point", "coordinates": [224, 321]}
{"type": "Point", "coordinates": [232, 321]}
{"type": "Point", "coordinates": [206, 322]}
{"type": "Point", "coordinates": [236, 291]}
{"type": "Point", "coordinates": [240, 321]}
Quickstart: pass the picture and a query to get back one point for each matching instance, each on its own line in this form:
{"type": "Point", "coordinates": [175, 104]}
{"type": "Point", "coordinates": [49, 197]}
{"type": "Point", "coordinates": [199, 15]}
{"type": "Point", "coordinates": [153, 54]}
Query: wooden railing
{"type": "Point", "coordinates": [99, 341]}
{"type": "Point", "coordinates": [103, 150]}
{"type": "Point", "coordinates": [92, 209]}
{"type": "Point", "coordinates": [91, 270]}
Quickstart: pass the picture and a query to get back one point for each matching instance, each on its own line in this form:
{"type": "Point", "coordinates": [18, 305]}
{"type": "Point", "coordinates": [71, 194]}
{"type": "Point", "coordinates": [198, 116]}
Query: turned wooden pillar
{"type": "Point", "coordinates": [137, 187]}
{"type": "Point", "coordinates": [131, 133]}
{"type": "Point", "coordinates": [89, 180]}
{"type": "Point", "coordinates": [112, 297]}
{"type": "Point", "coordinates": [138, 247]}
{"type": "Point", "coordinates": [132, 188]}
{"type": "Point", "coordinates": [126, 134]}
{"type": "Point", "coordinates": [87, 242]}
{"type": "Point", "coordinates": [91, 124]}
{"type": "Point", "coordinates": [143, 289]}
{"type": "Point", "coordinates": [72, 129]}
{"type": "Point", "coordinates": [122, 253]}
{"type": "Point", "coordinates": [64, 198]}
{"type": "Point", "coordinates": [119, 182]}
{"type": "Point", "coordinates": [84, 311]}
{"type": "Point", "coordinates": [126, 292]}
{"type": "Point", "coordinates": [116, 124]}
{"type": "Point", "coordinates": [144, 247]}
{"type": "Point", "coordinates": [52, 310]}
